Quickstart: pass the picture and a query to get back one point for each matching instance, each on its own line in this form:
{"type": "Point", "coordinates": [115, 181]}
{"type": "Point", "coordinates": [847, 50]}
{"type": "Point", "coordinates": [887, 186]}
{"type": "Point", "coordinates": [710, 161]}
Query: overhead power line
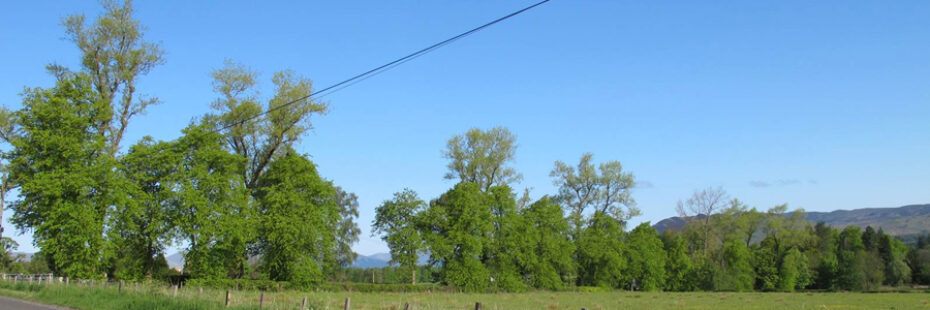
{"type": "Point", "coordinates": [385, 67]}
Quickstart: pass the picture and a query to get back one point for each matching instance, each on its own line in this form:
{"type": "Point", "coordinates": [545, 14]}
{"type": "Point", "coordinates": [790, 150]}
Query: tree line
{"type": "Point", "coordinates": [480, 237]}
{"type": "Point", "coordinates": [244, 204]}
{"type": "Point", "coordinates": [231, 189]}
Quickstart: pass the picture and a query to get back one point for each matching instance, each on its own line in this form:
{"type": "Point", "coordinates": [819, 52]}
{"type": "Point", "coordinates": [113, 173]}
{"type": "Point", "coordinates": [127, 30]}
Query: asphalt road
{"type": "Point", "coordinates": [7, 303]}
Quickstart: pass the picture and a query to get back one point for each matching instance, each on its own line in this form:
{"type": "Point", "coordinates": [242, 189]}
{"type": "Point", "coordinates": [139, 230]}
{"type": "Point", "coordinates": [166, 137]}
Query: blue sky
{"type": "Point", "coordinates": [822, 105]}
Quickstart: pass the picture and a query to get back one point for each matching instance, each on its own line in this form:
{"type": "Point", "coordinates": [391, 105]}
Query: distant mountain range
{"type": "Point", "coordinates": [901, 221]}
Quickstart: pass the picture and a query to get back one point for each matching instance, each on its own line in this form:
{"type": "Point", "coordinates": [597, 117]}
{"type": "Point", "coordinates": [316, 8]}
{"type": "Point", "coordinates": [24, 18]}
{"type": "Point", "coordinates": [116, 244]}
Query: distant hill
{"type": "Point", "coordinates": [901, 221]}
{"type": "Point", "coordinates": [175, 261]}
{"type": "Point", "coordinates": [906, 220]}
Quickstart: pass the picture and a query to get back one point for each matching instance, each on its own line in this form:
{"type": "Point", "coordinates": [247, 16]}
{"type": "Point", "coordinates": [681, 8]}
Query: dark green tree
{"type": "Point", "coordinates": [212, 212]}
{"type": "Point", "coordinates": [600, 253]}
{"type": "Point", "coordinates": [552, 266]}
{"type": "Point", "coordinates": [141, 226]}
{"type": "Point", "coordinates": [678, 266]}
{"type": "Point", "coordinates": [851, 260]}
{"type": "Point", "coordinates": [298, 220]}
{"type": "Point", "coordinates": [510, 252]}
{"type": "Point", "coordinates": [457, 228]}
{"type": "Point", "coordinates": [646, 255]}
{"type": "Point", "coordinates": [735, 273]}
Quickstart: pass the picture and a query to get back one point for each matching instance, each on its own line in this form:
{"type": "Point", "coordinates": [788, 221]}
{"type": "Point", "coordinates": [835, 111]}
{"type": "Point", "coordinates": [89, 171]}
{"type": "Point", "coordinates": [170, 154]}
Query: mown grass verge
{"type": "Point", "coordinates": [106, 298]}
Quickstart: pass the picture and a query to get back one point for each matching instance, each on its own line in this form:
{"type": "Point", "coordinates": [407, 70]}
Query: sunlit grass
{"type": "Point", "coordinates": [100, 297]}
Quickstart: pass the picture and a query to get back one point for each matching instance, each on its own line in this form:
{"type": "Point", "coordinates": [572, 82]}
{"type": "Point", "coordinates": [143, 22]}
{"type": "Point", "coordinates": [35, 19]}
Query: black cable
{"type": "Point", "coordinates": [367, 74]}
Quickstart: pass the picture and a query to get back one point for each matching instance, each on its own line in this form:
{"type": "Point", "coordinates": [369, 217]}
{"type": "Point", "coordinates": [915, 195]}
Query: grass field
{"type": "Point", "coordinates": [155, 297]}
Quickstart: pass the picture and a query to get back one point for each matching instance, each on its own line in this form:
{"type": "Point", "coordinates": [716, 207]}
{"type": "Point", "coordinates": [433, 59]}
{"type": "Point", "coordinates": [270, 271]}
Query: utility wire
{"type": "Point", "coordinates": [380, 69]}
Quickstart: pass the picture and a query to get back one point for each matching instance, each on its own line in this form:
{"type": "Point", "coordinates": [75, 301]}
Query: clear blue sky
{"type": "Point", "coordinates": [819, 104]}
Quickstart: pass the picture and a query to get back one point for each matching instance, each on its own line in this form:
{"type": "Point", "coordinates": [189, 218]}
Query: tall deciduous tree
{"type": "Point", "coordinates": [646, 254]}
{"type": "Point", "coordinates": [59, 161]}
{"type": "Point", "coordinates": [261, 139]}
{"type": "Point", "coordinates": [114, 55]}
{"type": "Point", "coordinates": [299, 217]}
{"type": "Point", "coordinates": [212, 212]}
{"type": "Point", "coordinates": [482, 157]}
{"type": "Point", "coordinates": [600, 253]}
{"type": "Point", "coordinates": [457, 228]}
{"type": "Point", "coordinates": [699, 209]}
{"type": "Point", "coordinates": [141, 226]}
{"type": "Point", "coordinates": [347, 230]}
{"type": "Point", "coordinates": [604, 188]}
{"type": "Point", "coordinates": [678, 265]}
{"type": "Point", "coordinates": [552, 266]}
{"type": "Point", "coordinates": [395, 220]}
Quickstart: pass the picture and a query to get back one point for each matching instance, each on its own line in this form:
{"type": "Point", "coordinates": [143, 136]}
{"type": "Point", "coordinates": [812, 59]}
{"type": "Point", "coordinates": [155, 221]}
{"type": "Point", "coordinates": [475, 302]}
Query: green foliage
{"type": "Point", "coordinates": [604, 188]}
{"type": "Point", "coordinates": [298, 220]}
{"type": "Point", "coordinates": [794, 272]}
{"type": "Point", "coordinates": [600, 253]}
{"type": "Point", "coordinates": [509, 253]}
{"type": "Point", "coordinates": [114, 55]}
{"type": "Point", "coordinates": [481, 157]}
{"type": "Point", "coordinates": [261, 140]}
{"type": "Point", "coordinates": [7, 258]}
{"type": "Point", "coordinates": [457, 227]}
{"type": "Point", "coordinates": [396, 220]}
{"type": "Point", "coordinates": [141, 226]}
{"type": "Point", "coordinates": [851, 260]}
{"type": "Point", "coordinates": [735, 273]}
{"type": "Point", "coordinates": [647, 256]}
{"type": "Point", "coordinates": [552, 264]}
{"type": "Point", "coordinates": [765, 263]}
{"type": "Point", "coordinates": [212, 212]}
{"type": "Point", "coordinates": [678, 266]}
{"type": "Point", "coordinates": [59, 163]}
{"type": "Point", "coordinates": [894, 253]}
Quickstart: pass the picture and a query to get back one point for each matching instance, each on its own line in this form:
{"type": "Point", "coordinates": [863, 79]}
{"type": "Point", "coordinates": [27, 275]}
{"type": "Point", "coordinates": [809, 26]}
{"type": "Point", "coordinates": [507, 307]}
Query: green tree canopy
{"type": "Point", "coordinates": [482, 157]}
{"type": "Point", "coordinates": [395, 220]}
{"type": "Point", "coordinates": [59, 162]}
{"type": "Point", "coordinates": [298, 220]}
{"type": "Point", "coordinates": [647, 257]}
{"type": "Point", "coordinates": [457, 227]}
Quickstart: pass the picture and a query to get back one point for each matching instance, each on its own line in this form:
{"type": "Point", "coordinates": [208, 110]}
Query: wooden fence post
{"type": "Point", "coordinates": [176, 289]}
{"type": "Point", "coordinates": [261, 300]}
{"type": "Point", "coordinates": [200, 290]}
{"type": "Point", "coordinates": [227, 298]}
{"type": "Point", "coordinates": [120, 286]}
{"type": "Point", "coordinates": [407, 306]}
{"type": "Point", "coordinates": [303, 304]}
{"type": "Point", "coordinates": [347, 304]}
{"type": "Point", "coordinates": [478, 306]}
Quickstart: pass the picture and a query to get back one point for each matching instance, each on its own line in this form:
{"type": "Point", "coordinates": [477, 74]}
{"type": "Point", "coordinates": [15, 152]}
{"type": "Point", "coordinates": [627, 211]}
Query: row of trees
{"type": "Point", "coordinates": [229, 189]}
{"type": "Point", "coordinates": [479, 235]}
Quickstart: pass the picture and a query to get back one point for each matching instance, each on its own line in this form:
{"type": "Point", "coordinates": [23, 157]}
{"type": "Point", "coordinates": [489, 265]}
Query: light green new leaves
{"type": "Point", "coordinates": [59, 162]}
{"type": "Point", "coordinates": [481, 157]}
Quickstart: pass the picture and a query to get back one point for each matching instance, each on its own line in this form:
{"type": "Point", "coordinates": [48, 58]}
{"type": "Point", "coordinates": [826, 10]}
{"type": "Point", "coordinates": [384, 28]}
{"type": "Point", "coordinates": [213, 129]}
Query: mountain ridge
{"type": "Point", "coordinates": [899, 221]}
